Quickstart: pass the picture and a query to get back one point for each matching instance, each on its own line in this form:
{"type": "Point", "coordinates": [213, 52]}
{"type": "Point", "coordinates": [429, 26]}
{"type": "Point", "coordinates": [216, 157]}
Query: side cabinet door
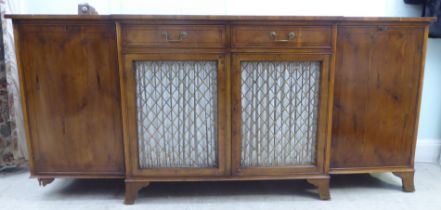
{"type": "Point", "coordinates": [377, 81]}
{"type": "Point", "coordinates": [279, 114]}
{"type": "Point", "coordinates": [71, 96]}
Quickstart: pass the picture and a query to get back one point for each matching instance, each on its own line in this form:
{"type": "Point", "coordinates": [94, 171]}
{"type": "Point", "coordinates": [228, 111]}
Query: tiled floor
{"type": "Point", "coordinates": [355, 192]}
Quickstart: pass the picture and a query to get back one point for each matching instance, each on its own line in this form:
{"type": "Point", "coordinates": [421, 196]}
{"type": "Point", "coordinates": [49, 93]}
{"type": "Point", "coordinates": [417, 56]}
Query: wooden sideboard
{"type": "Point", "coordinates": [199, 98]}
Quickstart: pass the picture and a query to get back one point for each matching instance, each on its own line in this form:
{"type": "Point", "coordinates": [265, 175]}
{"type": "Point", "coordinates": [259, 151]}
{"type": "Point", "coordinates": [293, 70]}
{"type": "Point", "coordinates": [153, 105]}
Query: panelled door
{"type": "Point", "coordinates": [175, 106]}
{"type": "Point", "coordinates": [70, 85]}
{"type": "Point", "coordinates": [279, 113]}
{"type": "Point", "coordinates": [377, 82]}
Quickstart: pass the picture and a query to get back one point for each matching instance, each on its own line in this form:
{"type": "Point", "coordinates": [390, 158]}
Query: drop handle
{"type": "Point", "coordinates": [182, 35]}
{"type": "Point", "coordinates": [291, 36]}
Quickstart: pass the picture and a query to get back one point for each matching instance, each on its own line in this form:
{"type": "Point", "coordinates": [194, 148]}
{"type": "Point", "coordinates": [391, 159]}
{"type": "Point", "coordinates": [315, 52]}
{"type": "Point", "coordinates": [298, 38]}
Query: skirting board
{"type": "Point", "coordinates": [428, 151]}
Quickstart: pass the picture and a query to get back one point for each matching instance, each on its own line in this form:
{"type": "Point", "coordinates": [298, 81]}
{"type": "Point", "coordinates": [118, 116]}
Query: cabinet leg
{"type": "Point", "coordinates": [322, 187]}
{"type": "Point", "coordinates": [132, 188]}
{"type": "Point", "coordinates": [407, 180]}
{"type": "Point", "coordinates": [45, 181]}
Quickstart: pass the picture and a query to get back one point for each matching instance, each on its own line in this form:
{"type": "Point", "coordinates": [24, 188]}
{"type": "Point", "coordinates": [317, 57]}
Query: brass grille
{"type": "Point", "coordinates": [279, 113]}
{"type": "Point", "coordinates": [176, 114]}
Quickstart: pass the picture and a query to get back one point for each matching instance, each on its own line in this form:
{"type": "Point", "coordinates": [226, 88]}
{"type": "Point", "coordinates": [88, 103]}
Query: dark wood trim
{"type": "Point", "coordinates": [364, 170]}
{"type": "Point", "coordinates": [231, 178]}
{"type": "Point", "coordinates": [24, 108]}
{"type": "Point", "coordinates": [78, 176]}
{"type": "Point", "coordinates": [222, 18]}
{"type": "Point", "coordinates": [123, 91]}
{"type": "Point", "coordinates": [422, 62]}
{"type": "Point", "coordinates": [331, 98]}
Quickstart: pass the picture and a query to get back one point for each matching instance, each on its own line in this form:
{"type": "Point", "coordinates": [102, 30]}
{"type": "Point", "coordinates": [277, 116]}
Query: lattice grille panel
{"type": "Point", "coordinates": [176, 112]}
{"type": "Point", "coordinates": [279, 113]}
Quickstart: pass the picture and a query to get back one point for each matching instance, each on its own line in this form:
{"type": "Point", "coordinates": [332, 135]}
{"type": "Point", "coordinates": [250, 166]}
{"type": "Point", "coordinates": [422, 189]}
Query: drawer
{"type": "Point", "coordinates": [185, 36]}
{"type": "Point", "coordinates": [281, 36]}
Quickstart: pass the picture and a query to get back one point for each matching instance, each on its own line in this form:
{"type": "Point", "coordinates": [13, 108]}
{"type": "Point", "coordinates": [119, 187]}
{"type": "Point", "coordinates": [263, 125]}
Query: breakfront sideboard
{"type": "Point", "coordinates": [217, 98]}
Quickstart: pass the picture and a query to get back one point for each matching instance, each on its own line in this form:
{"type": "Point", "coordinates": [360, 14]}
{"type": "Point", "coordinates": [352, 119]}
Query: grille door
{"type": "Point", "coordinates": [176, 114]}
{"type": "Point", "coordinates": [176, 117]}
{"type": "Point", "coordinates": [279, 112]}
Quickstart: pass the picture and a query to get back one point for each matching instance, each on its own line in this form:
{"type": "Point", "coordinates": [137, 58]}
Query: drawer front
{"type": "Point", "coordinates": [281, 36]}
{"type": "Point", "coordinates": [185, 36]}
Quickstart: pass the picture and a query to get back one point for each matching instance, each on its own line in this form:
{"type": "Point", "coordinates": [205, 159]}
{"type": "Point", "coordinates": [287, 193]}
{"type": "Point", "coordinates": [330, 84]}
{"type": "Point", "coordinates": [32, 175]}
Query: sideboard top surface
{"type": "Point", "coordinates": [123, 17]}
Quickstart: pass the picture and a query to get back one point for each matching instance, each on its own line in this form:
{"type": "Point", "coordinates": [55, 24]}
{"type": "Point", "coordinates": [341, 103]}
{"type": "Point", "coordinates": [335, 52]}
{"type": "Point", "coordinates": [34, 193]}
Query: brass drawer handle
{"type": "Point", "coordinates": [291, 36]}
{"type": "Point", "coordinates": [183, 35]}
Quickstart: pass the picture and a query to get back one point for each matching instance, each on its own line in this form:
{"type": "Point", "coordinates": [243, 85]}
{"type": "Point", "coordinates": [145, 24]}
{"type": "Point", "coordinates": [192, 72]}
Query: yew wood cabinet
{"type": "Point", "coordinates": [219, 98]}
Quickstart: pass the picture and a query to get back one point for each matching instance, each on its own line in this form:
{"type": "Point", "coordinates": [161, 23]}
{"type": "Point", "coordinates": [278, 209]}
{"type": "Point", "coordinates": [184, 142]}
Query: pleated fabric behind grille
{"type": "Point", "coordinates": [279, 113]}
{"type": "Point", "coordinates": [176, 112]}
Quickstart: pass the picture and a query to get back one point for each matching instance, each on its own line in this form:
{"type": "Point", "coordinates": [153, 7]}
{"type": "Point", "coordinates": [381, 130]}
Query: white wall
{"type": "Point", "coordinates": [429, 136]}
{"type": "Point", "coordinates": [230, 7]}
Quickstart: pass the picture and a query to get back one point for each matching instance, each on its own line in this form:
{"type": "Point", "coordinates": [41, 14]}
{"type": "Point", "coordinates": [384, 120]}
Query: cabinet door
{"type": "Point", "coordinates": [175, 114]}
{"type": "Point", "coordinates": [279, 115]}
{"type": "Point", "coordinates": [71, 97]}
{"type": "Point", "coordinates": [377, 81]}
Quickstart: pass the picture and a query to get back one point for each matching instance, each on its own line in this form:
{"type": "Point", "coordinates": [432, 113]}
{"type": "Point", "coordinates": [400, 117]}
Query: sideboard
{"type": "Point", "coordinates": [219, 98]}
